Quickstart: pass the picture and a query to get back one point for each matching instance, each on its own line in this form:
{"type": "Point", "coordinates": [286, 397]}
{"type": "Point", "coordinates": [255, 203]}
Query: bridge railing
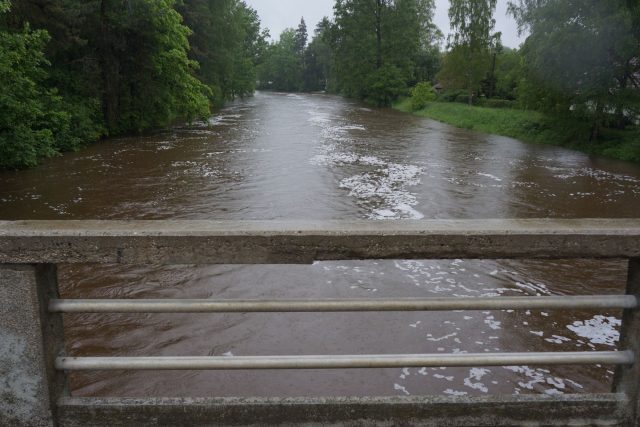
{"type": "Point", "coordinates": [34, 367]}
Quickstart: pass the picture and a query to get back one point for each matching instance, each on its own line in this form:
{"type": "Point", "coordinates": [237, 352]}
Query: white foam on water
{"type": "Point", "coordinates": [223, 119]}
{"type": "Point", "coordinates": [492, 323]}
{"type": "Point", "coordinates": [371, 161]}
{"type": "Point", "coordinates": [388, 186]}
{"type": "Point", "coordinates": [446, 337]}
{"type": "Point", "coordinates": [558, 383]}
{"type": "Point", "coordinates": [398, 387]}
{"type": "Point", "coordinates": [476, 374]}
{"type": "Point", "coordinates": [334, 158]}
{"type": "Point", "coordinates": [597, 174]}
{"type": "Point", "coordinates": [557, 339]}
{"type": "Point", "coordinates": [536, 376]}
{"type": "Point", "coordinates": [352, 127]}
{"type": "Point", "coordinates": [599, 330]}
{"type": "Point", "coordinates": [319, 118]}
{"type": "Point", "coordinates": [488, 175]}
{"type": "Point", "coordinates": [442, 377]}
{"type": "Point", "coordinates": [536, 288]}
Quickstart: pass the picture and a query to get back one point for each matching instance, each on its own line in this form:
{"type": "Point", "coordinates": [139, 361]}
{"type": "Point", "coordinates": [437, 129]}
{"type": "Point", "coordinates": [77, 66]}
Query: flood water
{"type": "Point", "coordinates": [319, 157]}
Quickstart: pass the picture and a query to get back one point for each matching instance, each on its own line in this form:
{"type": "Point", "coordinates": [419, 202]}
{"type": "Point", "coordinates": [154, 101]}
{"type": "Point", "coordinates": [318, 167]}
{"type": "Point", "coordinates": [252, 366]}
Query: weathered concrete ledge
{"type": "Point", "coordinates": [574, 410]}
{"type": "Point", "coordinates": [29, 383]}
{"type": "Point", "coordinates": [223, 242]}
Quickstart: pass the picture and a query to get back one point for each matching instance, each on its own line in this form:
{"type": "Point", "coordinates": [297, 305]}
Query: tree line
{"type": "Point", "coordinates": [371, 50]}
{"type": "Point", "coordinates": [74, 71]}
{"type": "Point", "coordinates": [580, 62]}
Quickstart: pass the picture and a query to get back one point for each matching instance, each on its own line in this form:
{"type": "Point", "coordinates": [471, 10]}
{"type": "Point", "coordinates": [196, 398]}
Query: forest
{"type": "Point", "coordinates": [76, 71]}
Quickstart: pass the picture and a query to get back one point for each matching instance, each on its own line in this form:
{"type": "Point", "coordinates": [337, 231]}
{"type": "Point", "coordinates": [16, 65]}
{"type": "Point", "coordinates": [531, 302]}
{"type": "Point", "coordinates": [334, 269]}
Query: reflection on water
{"type": "Point", "coordinates": [318, 157]}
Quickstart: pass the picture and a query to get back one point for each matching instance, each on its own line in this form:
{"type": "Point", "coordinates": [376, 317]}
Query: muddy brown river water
{"type": "Point", "coordinates": [315, 157]}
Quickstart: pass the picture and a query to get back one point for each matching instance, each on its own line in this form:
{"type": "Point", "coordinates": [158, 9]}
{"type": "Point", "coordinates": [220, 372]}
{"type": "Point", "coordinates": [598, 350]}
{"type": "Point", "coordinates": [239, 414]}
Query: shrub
{"type": "Point", "coordinates": [421, 95]}
{"type": "Point", "coordinates": [451, 95]}
{"type": "Point", "coordinates": [499, 103]}
{"type": "Point", "coordinates": [385, 86]}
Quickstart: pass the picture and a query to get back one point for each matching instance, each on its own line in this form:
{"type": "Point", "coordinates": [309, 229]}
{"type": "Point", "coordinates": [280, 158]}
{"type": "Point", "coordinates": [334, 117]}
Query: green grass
{"type": "Point", "coordinates": [532, 126]}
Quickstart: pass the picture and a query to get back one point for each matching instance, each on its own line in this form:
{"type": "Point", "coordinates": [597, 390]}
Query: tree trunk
{"type": "Point", "coordinates": [595, 128]}
{"type": "Point", "coordinates": [379, 34]}
{"type": "Point", "coordinates": [492, 76]}
{"type": "Point", "coordinates": [470, 74]}
{"type": "Point", "coordinates": [110, 71]}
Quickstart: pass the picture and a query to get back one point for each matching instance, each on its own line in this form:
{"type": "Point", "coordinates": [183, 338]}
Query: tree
{"type": "Point", "coordinates": [318, 59]}
{"type": "Point", "coordinates": [73, 69]}
{"type": "Point", "coordinates": [82, 69]}
{"type": "Point", "coordinates": [428, 59]}
{"type": "Point", "coordinates": [228, 43]}
{"type": "Point", "coordinates": [473, 23]}
{"type": "Point", "coordinates": [31, 117]}
{"type": "Point", "coordinates": [376, 41]}
{"type": "Point", "coordinates": [582, 58]}
{"type": "Point", "coordinates": [456, 71]}
{"type": "Point", "coordinates": [282, 66]}
{"type": "Point", "coordinates": [421, 95]}
{"type": "Point", "coordinates": [147, 76]}
{"type": "Point", "coordinates": [508, 74]}
{"type": "Point", "coordinates": [300, 39]}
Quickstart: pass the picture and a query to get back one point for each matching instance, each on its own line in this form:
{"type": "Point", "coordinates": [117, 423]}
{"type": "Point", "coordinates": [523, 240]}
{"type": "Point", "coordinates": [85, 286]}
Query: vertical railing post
{"type": "Point", "coordinates": [30, 339]}
{"type": "Point", "coordinates": [627, 378]}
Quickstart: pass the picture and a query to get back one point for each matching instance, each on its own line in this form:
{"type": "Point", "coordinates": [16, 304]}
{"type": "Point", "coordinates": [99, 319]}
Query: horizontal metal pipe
{"type": "Point", "coordinates": [342, 362]}
{"type": "Point", "coordinates": [298, 306]}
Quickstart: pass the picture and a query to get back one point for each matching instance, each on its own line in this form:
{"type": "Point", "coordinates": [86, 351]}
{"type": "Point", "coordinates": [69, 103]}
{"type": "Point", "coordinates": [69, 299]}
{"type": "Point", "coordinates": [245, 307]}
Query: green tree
{"type": "Point", "coordinates": [508, 74]}
{"type": "Point", "coordinates": [148, 79]}
{"type": "Point", "coordinates": [301, 37]}
{"type": "Point", "coordinates": [31, 119]}
{"type": "Point", "coordinates": [421, 95]}
{"type": "Point", "coordinates": [379, 40]}
{"type": "Point", "coordinates": [228, 43]}
{"type": "Point", "coordinates": [473, 24]}
{"type": "Point", "coordinates": [318, 69]}
{"type": "Point", "coordinates": [282, 66]}
{"type": "Point", "coordinates": [456, 71]}
{"type": "Point", "coordinates": [581, 59]}
{"type": "Point", "coordinates": [429, 58]}
{"type": "Point", "coordinates": [73, 69]}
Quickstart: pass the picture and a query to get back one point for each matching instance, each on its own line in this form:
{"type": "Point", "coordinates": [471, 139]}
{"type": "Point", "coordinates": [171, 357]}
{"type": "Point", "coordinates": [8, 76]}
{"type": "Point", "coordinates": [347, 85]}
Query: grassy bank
{"type": "Point", "coordinates": [531, 126]}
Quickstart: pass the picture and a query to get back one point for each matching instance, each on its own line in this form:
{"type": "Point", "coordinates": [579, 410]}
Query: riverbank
{"type": "Point", "coordinates": [531, 126]}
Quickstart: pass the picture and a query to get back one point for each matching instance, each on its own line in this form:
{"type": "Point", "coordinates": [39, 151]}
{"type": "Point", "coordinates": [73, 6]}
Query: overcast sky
{"type": "Point", "coordinates": [280, 14]}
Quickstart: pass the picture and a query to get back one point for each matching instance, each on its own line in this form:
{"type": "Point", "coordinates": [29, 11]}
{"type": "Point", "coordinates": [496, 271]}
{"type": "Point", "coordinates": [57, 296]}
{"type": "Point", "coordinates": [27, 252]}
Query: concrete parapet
{"type": "Point", "coordinates": [28, 383]}
{"type": "Point", "coordinates": [256, 242]}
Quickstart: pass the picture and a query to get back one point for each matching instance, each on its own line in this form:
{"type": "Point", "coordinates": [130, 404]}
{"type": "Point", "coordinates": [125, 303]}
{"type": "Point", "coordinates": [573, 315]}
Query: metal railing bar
{"type": "Point", "coordinates": [334, 305]}
{"type": "Point", "coordinates": [342, 362]}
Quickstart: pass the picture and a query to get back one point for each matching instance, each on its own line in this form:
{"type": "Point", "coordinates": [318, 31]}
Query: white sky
{"type": "Point", "coordinates": [280, 14]}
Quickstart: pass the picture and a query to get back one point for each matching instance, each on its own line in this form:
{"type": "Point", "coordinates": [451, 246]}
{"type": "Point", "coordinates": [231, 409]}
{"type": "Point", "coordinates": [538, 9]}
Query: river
{"type": "Point", "coordinates": [315, 157]}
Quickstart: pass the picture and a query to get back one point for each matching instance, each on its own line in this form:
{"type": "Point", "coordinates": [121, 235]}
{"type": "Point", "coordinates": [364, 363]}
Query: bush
{"type": "Point", "coordinates": [29, 111]}
{"type": "Point", "coordinates": [499, 103]}
{"type": "Point", "coordinates": [385, 86]}
{"type": "Point", "coordinates": [462, 99]}
{"type": "Point", "coordinates": [421, 95]}
{"type": "Point", "coordinates": [451, 95]}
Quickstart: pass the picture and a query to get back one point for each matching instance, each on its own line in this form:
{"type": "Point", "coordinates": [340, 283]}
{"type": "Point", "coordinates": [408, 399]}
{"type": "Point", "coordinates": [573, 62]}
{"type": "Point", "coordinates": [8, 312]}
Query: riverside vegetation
{"type": "Point", "coordinates": [74, 71]}
{"type": "Point", "coordinates": [82, 70]}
